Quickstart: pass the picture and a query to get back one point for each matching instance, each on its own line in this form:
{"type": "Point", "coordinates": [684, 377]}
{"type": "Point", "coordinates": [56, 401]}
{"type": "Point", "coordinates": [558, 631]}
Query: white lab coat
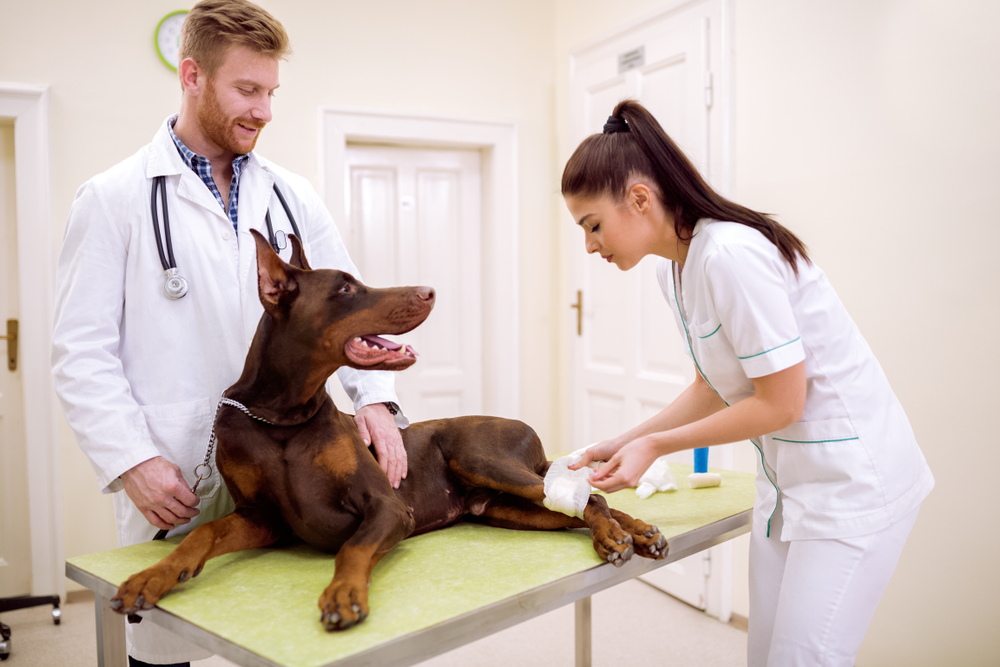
{"type": "Point", "coordinates": [139, 374]}
{"type": "Point", "coordinates": [852, 465]}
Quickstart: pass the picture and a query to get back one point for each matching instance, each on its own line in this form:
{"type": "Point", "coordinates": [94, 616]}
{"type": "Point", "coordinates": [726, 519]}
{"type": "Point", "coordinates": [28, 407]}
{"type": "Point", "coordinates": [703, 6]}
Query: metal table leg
{"type": "Point", "coordinates": [110, 635]}
{"type": "Point", "coordinates": [582, 613]}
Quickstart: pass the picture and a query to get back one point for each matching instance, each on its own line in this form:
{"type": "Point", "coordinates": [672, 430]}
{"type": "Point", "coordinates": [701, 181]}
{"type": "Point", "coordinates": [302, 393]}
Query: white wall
{"type": "Point", "coordinates": [870, 128]}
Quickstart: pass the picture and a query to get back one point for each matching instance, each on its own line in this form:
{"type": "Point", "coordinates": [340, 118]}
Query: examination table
{"type": "Point", "coordinates": [430, 594]}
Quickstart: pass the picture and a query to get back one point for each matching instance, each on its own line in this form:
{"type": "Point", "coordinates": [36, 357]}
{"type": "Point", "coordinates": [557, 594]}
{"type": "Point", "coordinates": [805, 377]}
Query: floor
{"type": "Point", "coordinates": [631, 622]}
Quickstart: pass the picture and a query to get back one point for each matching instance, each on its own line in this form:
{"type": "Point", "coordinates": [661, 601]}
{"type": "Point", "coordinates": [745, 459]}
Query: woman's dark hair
{"type": "Point", "coordinates": [604, 164]}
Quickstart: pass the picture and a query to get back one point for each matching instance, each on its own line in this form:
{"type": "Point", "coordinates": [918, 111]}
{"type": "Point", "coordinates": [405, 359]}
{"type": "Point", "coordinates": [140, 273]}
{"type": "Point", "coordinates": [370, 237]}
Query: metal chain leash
{"type": "Point", "coordinates": [208, 456]}
{"type": "Point", "coordinates": [212, 440]}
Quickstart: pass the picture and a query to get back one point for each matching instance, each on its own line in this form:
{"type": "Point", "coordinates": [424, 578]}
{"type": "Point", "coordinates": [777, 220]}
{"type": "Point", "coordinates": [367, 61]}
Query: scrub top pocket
{"type": "Point", "coordinates": [824, 465]}
{"type": "Point", "coordinates": [716, 359]}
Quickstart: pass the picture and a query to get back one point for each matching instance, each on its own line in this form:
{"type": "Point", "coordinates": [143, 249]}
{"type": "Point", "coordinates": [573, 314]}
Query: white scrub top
{"type": "Point", "coordinates": [852, 465]}
{"type": "Point", "coordinates": [139, 374]}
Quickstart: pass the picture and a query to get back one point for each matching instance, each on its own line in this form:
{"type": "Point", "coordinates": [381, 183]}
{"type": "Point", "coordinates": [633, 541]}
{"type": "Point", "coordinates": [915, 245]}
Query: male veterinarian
{"type": "Point", "coordinates": [153, 323]}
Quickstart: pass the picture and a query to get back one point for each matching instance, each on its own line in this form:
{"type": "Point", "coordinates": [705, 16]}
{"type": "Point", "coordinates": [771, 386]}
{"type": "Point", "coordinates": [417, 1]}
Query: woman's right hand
{"type": "Point", "coordinates": [602, 451]}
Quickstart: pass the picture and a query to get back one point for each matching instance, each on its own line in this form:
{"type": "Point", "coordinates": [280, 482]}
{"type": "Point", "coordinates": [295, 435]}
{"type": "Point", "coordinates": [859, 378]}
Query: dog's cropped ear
{"type": "Point", "coordinates": [298, 258]}
{"type": "Point", "coordinates": [275, 279]}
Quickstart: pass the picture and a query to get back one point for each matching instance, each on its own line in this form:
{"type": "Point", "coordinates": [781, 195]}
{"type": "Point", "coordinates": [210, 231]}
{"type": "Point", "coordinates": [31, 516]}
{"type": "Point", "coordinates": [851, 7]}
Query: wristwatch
{"type": "Point", "coordinates": [393, 408]}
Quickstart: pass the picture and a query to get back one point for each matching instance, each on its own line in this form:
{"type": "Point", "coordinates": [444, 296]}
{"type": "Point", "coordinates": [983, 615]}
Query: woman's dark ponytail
{"type": "Point", "coordinates": [634, 144]}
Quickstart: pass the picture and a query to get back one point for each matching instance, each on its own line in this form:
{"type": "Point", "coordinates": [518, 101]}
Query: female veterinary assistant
{"type": "Point", "coordinates": [780, 362]}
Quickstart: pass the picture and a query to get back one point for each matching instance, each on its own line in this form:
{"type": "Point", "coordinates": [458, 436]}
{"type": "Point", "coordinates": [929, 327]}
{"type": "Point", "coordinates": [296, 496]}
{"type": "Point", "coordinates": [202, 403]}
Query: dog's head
{"type": "Point", "coordinates": [331, 315]}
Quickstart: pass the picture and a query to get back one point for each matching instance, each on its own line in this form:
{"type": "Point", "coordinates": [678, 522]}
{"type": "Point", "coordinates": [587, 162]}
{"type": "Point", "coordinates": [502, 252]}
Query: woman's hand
{"type": "Point", "coordinates": [602, 451]}
{"type": "Point", "coordinates": [626, 466]}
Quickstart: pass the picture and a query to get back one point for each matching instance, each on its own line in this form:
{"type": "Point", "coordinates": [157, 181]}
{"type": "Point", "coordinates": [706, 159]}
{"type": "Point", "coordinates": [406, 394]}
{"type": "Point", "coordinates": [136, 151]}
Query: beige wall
{"type": "Point", "coordinates": [109, 93]}
{"type": "Point", "coordinates": [869, 127]}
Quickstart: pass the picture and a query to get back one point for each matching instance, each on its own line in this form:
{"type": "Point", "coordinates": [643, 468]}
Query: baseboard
{"type": "Point", "coordinates": [79, 596]}
{"type": "Point", "coordinates": [739, 622]}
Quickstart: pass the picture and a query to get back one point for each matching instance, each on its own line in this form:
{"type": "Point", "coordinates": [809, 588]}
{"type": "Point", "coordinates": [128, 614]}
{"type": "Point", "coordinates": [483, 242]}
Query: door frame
{"type": "Point", "coordinates": [720, 557]}
{"type": "Point", "coordinates": [28, 107]}
{"type": "Point", "coordinates": [496, 141]}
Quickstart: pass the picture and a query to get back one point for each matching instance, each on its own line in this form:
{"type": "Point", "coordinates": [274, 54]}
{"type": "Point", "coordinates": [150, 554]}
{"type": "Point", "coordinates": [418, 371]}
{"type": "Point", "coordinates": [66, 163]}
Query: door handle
{"type": "Point", "coordinates": [579, 312]}
{"type": "Point", "coordinates": [11, 339]}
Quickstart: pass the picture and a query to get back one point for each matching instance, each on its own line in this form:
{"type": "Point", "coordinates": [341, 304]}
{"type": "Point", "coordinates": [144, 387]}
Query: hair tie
{"type": "Point", "coordinates": [615, 124]}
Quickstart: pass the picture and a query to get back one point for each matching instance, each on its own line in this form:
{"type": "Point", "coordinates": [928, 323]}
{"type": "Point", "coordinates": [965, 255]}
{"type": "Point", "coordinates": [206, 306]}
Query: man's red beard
{"type": "Point", "coordinates": [220, 129]}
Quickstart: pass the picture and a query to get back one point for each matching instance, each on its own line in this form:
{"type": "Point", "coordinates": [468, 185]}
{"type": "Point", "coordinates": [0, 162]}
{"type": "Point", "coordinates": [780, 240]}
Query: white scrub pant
{"type": "Point", "coordinates": [811, 601]}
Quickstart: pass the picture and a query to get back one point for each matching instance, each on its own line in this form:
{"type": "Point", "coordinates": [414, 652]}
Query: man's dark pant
{"type": "Point", "coordinates": [132, 662]}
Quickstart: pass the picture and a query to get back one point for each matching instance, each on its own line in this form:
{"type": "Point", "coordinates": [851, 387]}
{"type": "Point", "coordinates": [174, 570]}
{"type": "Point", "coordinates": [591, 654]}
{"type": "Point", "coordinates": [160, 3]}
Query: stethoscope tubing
{"type": "Point", "coordinates": [167, 260]}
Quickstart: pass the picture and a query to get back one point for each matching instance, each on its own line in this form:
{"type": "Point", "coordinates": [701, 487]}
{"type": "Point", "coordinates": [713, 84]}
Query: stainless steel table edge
{"type": "Point", "coordinates": [460, 630]}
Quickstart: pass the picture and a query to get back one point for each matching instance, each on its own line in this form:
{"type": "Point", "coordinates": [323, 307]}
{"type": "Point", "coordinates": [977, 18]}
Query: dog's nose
{"type": "Point", "coordinates": [426, 294]}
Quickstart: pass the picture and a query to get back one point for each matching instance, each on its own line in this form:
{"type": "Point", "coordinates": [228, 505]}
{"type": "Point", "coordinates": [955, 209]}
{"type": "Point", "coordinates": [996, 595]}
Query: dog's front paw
{"type": "Point", "coordinates": [143, 590]}
{"type": "Point", "coordinates": [343, 605]}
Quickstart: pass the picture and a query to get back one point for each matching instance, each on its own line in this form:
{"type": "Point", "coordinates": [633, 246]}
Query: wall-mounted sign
{"type": "Point", "coordinates": [631, 59]}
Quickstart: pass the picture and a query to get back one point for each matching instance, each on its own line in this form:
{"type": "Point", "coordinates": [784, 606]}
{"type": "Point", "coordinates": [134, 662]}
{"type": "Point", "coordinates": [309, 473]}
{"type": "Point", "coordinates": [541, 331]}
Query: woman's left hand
{"type": "Point", "coordinates": [625, 468]}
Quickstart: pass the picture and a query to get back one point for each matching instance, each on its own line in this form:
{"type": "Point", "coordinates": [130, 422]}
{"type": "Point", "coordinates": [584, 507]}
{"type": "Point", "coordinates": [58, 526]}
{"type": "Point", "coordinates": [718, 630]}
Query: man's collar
{"type": "Point", "coordinates": [188, 155]}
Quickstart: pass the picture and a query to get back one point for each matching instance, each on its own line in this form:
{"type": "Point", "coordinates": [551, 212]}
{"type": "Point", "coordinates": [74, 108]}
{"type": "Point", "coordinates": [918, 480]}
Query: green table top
{"type": "Point", "coordinates": [265, 600]}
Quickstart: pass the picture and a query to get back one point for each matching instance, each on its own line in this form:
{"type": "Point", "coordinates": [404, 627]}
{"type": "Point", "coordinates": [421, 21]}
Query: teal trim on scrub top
{"type": "Point", "coordinates": [687, 334]}
{"type": "Point", "coordinates": [816, 442]}
{"type": "Point", "coordinates": [702, 337]}
{"type": "Point", "coordinates": [766, 351]}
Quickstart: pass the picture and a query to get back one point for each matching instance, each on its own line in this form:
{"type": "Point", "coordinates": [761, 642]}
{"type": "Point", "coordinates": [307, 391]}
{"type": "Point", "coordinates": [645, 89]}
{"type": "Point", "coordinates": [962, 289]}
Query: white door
{"type": "Point", "coordinates": [414, 219]}
{"type": "Point", "coordinates": [628, 360]}
{"type": "Point", "coordinates": [15, 536]}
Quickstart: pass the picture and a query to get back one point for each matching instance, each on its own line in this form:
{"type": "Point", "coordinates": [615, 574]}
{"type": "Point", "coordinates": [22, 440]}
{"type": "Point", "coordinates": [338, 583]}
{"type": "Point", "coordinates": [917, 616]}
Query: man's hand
{"type": "Point", "coordinates": [377, 427]}
{"type": "Point", "coordinates": [158, 489]}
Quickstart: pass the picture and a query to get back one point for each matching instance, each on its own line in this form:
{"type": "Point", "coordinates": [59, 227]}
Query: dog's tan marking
{"type": "Point", "coordinates": [338, 456]}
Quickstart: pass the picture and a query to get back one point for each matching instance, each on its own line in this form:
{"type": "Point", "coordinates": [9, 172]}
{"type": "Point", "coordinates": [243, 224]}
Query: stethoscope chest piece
{"type": "Point", "coordinates": [176, 285]}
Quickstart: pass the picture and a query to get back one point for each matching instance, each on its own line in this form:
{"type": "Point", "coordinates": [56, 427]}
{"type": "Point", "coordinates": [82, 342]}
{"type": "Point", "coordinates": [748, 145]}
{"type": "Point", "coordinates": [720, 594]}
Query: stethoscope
{"type": "Point", "coordinates": [176, 285]}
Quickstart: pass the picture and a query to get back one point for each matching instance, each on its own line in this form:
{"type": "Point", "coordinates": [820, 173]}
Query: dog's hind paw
{"type": "Point", "coordinates": [646, 538]}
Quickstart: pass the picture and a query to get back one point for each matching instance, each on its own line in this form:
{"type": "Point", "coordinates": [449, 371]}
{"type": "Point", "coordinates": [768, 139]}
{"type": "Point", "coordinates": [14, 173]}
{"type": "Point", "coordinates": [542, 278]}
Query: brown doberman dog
{"type": "Point", "coordinates": [300, 469]}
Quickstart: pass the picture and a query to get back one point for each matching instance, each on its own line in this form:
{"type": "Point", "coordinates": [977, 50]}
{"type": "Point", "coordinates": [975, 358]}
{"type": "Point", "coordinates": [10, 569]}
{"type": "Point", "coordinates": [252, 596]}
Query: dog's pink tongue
{"type": "Point", "coordinates": [388, 344]}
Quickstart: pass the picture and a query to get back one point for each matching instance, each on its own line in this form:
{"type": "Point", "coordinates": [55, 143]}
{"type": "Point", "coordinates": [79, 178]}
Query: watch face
{"type": "Point", "coordinates": [168, 37]}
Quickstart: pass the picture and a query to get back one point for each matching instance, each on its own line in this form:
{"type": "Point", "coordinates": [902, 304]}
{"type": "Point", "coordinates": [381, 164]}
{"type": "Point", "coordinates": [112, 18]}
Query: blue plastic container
{"type": "Point", "coordinates": [701, 459]}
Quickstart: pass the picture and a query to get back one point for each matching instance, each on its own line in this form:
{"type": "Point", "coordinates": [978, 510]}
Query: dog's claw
{"type": "Point", "coordinates": [182, 576]}
{"type": "Point", "coordinates": [117, 604]}
{"type": "Point", "coordinates": [628, 554]}
{"type": "Point", "coordinates": [139, 601]}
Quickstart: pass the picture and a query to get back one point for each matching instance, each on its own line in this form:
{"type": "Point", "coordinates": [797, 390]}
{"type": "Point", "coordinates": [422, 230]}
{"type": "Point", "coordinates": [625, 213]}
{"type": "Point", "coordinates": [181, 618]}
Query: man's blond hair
{"type": "Point", "coordinates": [212, 26]}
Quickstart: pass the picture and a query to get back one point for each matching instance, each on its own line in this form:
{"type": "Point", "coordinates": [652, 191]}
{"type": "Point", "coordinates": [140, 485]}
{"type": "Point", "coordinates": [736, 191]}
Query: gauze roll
{"type": "Point", "coordinates": [701, 480]}
{"type": "Point", "coordinates": [656, 478]}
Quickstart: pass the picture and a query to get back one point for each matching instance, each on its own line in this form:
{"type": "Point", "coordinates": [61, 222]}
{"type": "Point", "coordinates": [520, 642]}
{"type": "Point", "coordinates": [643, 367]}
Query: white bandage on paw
{"type": "Point", "coordinates": [567, 491]}
{"type": "Point", "coordinates": [700, 480]}
{"type": "Point", "coordinates": [656, 478]}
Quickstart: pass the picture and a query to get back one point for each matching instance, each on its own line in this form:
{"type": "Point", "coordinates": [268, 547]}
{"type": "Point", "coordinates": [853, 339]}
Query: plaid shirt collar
{"type": "Point", "coordinates": [203, 168]}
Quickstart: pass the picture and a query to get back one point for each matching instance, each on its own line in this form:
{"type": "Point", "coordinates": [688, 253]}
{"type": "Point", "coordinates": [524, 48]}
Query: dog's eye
{"type": "Point", "coordinates": [346, 289]}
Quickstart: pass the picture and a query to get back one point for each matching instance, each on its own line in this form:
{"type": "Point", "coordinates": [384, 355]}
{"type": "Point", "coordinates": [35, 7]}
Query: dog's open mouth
{"type": "Point", "coordinates": [375, 351]}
